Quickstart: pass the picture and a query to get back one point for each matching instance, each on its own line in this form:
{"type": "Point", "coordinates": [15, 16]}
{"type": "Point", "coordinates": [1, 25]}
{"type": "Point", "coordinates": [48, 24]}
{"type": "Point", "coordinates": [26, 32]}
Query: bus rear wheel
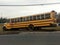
{"type": "Point", "coordinates": [31, 27]}
{"type": "Point", "coordinates": [37, 28]}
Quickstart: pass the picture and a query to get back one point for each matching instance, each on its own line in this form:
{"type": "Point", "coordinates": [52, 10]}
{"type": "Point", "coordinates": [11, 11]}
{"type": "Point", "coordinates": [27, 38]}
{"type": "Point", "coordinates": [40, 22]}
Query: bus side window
{"type": "Point", "coordinates": [24, 19]}
{"type": "Point", "coordinates": [15, 20]}
{"type": "Point", "coordinates": [38, 17]}
{"type": "Point", "coordinates": [27, 18]}
{"type": "Point", "coordinates": [34, 17]}
{"type": "Point", "coordinates": [42, 16]}
{"type": "Point", "coordinates": [8, 21]}
{"type": "Point", "coordinates": [30, 17]}
{"type": "Point", "coordinates": [18, 20]}
{"type": "Point", "coordinates": [21, 19]}
{"type": "Point", "coordinates": [47, 16]}
{"type": "Point", "coordinates": [12, 21]}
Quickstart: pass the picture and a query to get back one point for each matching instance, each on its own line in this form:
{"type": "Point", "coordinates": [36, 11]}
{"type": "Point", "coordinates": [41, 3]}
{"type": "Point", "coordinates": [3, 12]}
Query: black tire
{"type": "Point", "coordinates": [4, 29]}
{"type": "Point", "coordinates": [37, 28]}
{"type": "Point", "coordinates": [31, 27]}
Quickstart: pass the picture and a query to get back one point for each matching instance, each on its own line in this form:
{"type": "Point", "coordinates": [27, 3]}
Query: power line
{"type": "Point", "coordinates": [33, 4]}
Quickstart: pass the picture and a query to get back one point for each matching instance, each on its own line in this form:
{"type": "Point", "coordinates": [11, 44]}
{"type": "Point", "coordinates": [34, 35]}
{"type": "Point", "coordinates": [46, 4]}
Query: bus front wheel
{"type": "Point", "coordinates": [4, 29]}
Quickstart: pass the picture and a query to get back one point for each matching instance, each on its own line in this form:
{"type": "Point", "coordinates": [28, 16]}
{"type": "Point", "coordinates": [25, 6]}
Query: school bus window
{"type": "Point", "coordinates": [12, 21]}
{"type": "Point", "coordinates": [24, 19]}
{"type": "Point", "coordinates": [8, 21]}
{"type": "Point", "coordinates": [27, 18]}
{"type": "Point", "coordinates": [15, 20]}
{"type": "Point", "coordinates": [34, 17]}
{"type": "Point", "coordinates": [47, 16]}
{"type": "Point", "coordinates": [42, 16]}
{"type": "Point", "coordinates": [38, 17]}
{"type": "Point", "coordinates": [18, 19]}
{"type": "Point", "coordinates": [30, 17]}
{"type": "Point", "coordinates": [21, 19]}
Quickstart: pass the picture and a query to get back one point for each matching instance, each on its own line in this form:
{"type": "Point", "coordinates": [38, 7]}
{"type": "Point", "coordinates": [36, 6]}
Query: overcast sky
{"type": "Point", "coordinates": [18, 11]}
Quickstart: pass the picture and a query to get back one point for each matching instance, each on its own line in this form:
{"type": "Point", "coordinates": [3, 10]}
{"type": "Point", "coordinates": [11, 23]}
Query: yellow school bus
{"type": "Point", "coordinates": [31, 22]}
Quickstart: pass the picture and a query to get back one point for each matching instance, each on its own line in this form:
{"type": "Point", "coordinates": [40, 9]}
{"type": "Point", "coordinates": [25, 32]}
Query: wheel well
{"type": "Point", "coordinates": [4, 27]}
{"type": "Point", "coordinates": [31, 25]}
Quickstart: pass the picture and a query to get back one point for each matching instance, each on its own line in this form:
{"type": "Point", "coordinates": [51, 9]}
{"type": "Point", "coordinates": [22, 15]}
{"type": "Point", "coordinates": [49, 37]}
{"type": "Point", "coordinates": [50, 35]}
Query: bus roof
{"type": "Point", "coordinates": [33, 15]}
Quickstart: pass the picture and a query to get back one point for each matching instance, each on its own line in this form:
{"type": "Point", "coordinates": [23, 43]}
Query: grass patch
{"type": "Point", "coordinates": [1, 25]}
{"type": "Point", "coordinates": [52, 28]}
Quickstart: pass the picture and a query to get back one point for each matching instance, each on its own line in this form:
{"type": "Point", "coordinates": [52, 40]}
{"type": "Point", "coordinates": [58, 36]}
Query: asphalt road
{"type": "Point", "coordinates": [31, 38]}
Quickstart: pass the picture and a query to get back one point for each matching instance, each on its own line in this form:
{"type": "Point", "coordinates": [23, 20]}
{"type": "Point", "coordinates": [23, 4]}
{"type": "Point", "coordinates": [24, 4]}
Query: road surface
{"type": "Point", "coordinates": [31, 38]}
